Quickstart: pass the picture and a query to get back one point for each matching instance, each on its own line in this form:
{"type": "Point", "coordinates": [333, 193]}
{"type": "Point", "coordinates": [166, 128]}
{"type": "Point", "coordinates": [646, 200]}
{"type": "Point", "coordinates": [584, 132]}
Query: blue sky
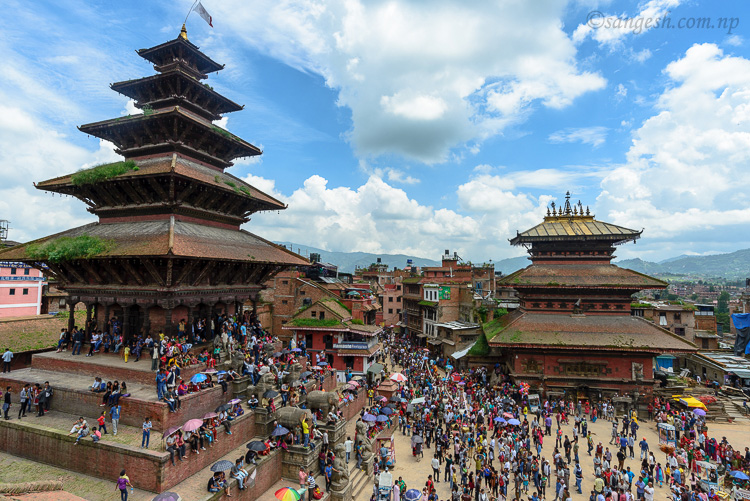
{"type": "Point", "coordinates": [414, 126]}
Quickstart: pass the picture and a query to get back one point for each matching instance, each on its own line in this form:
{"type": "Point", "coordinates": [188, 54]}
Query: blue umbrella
{"type": "Point", "coordinates": [739, 475]}
{"type": "Point", "coordinates": [369, 417]}
{"type": "Point", "coordinates": [449, 366]}
{"type": "Point", "coordinates": [382, 418]}
{"type": "Point", "coordinates": [296, 349]}
{"type": "Point", "coordinates": [279, 431]}
{"type": "Point", "coordinates": [499, 419]}
{"type": "Point", "coordinates": [198, 378]}
{"type": "Point", "coordinates": [514, 422]}
{"type": "Point", "coordinates": [386, 410]}
{"type": "Point", "coordinates": [412, 495]}
{"type": "Point", "coordinates": [322, 363]}
{"type": "Point", "coordinates": [221, 372]}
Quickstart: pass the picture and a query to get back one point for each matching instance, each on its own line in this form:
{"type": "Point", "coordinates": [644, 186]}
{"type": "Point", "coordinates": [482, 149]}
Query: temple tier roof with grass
{"type": "Point", "coordinates": [168, 244]}
{"type": "Point", "coordinates": [574, 331]}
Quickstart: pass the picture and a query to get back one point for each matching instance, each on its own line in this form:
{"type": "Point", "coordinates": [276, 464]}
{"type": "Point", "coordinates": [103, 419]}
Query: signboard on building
{"type": "Point", "coordinates": [445, 293]}
{"type": "Point", "coordinates": [21, 278]}
{"type": "Point", "coordinates": [351, 345]}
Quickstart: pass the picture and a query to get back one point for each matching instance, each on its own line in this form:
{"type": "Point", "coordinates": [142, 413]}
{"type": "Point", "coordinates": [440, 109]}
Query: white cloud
{"type": "Point", "coordinates": [375, 217]}
{"type": "Point", "coordinates": [686, 170]}
{"type": "Point", "coordinates": [422, 78]}
{"type": "Point", "coordinates": [734, 40]}
{"type": "Point", "coordinates": [397, 176]}
{"type": "Point", "coordinates": [621, 92]}
{"type": "Point", "coordinates": [595, 136]}
{"type": "Point", "coordinates": [611, 29]}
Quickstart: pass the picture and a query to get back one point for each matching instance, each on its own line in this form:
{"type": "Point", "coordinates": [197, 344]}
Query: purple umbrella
{"type": "Point", "coordinates": [369, 417]}
{"type": "Point", "coordinates": [699, 412]}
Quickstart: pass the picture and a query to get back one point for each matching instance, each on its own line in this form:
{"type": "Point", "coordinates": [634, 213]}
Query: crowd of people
{"type": "Point", "coordinates": [485, 442]}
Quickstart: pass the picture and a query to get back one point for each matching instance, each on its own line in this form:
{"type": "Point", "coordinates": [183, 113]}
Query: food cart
{"type": "Point", "coordinates": [667, 434]}
{"type": "Point", "coordinates": [708, 476]}
{"type": "Point", "coordinates": [390, 445]}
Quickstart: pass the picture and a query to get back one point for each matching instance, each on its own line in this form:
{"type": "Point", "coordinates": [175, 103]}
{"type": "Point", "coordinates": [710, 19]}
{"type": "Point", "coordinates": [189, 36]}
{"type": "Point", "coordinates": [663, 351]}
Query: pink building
{"type": "Point", "coordinates": [20, 290]}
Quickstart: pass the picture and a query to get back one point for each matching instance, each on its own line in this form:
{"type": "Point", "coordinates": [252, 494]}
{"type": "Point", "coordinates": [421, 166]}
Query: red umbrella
{"type": "Point", "coordinates": [456, 377]}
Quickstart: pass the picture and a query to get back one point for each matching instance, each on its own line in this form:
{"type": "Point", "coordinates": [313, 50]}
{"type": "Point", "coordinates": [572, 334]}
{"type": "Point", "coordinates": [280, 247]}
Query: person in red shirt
{"type": "Point", "coordinates": [102, 423]}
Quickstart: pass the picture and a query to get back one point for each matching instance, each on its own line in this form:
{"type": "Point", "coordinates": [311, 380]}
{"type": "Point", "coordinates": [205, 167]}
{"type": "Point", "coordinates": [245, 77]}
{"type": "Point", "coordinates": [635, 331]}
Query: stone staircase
{"type": "Point", "coordinates": [360, 481]}
{"type": "Point", "coordinates": [733, 408]}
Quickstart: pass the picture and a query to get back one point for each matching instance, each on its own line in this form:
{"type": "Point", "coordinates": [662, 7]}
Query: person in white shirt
{"type": "Point", "coordinates": [348, 445]}
{"type": "Point", "coordinates": [648, 492]}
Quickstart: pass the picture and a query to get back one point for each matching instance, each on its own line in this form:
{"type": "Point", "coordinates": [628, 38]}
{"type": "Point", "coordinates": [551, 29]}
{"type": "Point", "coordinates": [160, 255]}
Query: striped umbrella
{"type": "Point", "coordinates": [287, 494]}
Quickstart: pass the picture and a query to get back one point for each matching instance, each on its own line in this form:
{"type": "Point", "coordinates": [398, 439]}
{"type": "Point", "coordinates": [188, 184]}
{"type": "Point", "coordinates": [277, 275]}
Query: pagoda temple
{"type": "Point", "coordinates": [573, 333]}
{"type": "Point", "coordinates": [168, 245]}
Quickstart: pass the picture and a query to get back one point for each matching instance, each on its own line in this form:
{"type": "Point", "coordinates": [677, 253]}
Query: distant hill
{"type": "Point", "coordinates": [732, 266]}
{"type": "Point", "coordinates": [347, 261]}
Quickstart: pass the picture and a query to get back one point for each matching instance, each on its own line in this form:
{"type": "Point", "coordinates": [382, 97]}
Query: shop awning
{"type": "Point", "coordinates": [692, 402]}
{"type": "Point", "coordinates": [375, 368]}
{"type": "Point", "coordinates": [434, 341]}
{"type": "Point", "coordinates": [459, 354]}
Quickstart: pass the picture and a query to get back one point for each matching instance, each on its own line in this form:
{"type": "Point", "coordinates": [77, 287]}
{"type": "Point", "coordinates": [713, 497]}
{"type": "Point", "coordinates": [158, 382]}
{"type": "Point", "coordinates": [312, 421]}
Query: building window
{"type": "Point", "coordinates": [313, 314]}
{"type": "Point", "coordinates": [322, 315]}
{"type": "Point", "coordinates": [390, 311]}
{"type": "Point", "coordinates": [677, 317]}
{"type": "Point", "coordinates": [283, 322]}
{"type": "Point", "coordinates": [662, 318]}
{"type": "Point", "coordinates": [301, 293]}
{"type": "Point", "coordinates": [680, 331]}
{"type": "Point", "coordinates": [704, 343]}
{"type": "Point", "coordinates": [12, 292]}
{"type": "Point", "coordinates": [284, 301]}
{"type": "Point", "coordinates": [390, 299]}
{"type": "Point", "coordinates": [285, 282]}
{"type": "Point", "coordinates": [398, 312]}
{"type": "Point", "coordinates": [12, 271]}
{"type": "Point", "coordinates": [26, 271]}
{"type": "Point", "coordinates": [398, 299]}
{"type": "Point", "coordinates": [26, 292]}
{"type": "Point", "coordinates": [398, 287]}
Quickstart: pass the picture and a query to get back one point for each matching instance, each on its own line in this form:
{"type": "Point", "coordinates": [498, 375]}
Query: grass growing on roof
{"type": "Point", "coordinates": [481, 348]}
{"type": "Point", "coordinates": [68, 248]}
{"type": "Point", "coordinates": [315, 322]}
{"type": "Point", "coordinates": [103, 172]}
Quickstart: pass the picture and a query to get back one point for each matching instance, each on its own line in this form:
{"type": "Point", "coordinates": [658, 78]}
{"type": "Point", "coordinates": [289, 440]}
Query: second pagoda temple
{"type": "Point", "coordinates": [168, 245]}
{"type": "Point", "coordinates": [573, 334]}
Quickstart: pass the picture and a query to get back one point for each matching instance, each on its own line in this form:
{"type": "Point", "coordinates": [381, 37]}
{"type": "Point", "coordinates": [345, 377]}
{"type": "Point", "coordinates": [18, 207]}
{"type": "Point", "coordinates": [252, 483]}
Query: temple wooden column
{"type": "Point", "coordinates": [87, 328]}
{"type": "Point", "coordinates": [72, 314]}
{"type": "Point", "coordinates": [126, 322]}
{"type": "Point", "coordinates": [168, 321]}
{"type": "Point", "coordinates": [147, 320]}
{"type": "Point", "coordinates": [106, 317]}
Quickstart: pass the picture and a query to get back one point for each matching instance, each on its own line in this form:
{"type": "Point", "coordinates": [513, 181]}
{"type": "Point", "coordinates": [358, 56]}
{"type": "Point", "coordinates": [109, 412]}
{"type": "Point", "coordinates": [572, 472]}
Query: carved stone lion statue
{"type": "Point", "coordinates": [294, 371]}
{"type": "Point", "coordinates": [340, 478]}
{"type": "Point", "coordinates": [366, 449]}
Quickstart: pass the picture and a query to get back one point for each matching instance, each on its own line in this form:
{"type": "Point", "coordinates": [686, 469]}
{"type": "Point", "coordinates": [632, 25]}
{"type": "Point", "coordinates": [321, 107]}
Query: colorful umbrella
{"type": "Point", "coordinates": [287, 494]}
{"type": "Point", "coordinates": [322, 364]}
{"type": "Point", "coordinates": [234, 401]}
{"type": "Point", "coordinates": [419, 400]}
{"type": "Point", "coordinates": [354, 383]}
{"type": "Point", "coordinates": [500, 420]}
{"type": "Point", "coordinates": [167, 496]}
{"type": "Point", "coordinates": [270, 394]}
{"type": "Point", "coordinates": [296, 350]}
{"type": "Point", "coordinates": [382, 418]}
{"type": "Point", "coordinates": [369, 417]}
{"type": "Point", "coordinates": [198, 378]}
{"type": "Point", "coordinates": [209, 371]}
{"type": "Point", "coordinates": [699, 412]}
{"type": "Point", "coordinates": [223, 408]}
{"type": "Point", "coordinates": [514, 422]}
{"type": "Point", "coordinates": [398, 377]}
{"type": "Point", "coordinates": [171, 430]}
{"type": "Point", "coordinates": [192, 425]}
{"type": "Point", "coordinates": [210, 415]}
{"type": "Point", "coordinates": [386, 410]}
{"type": "Point", "coordinates": [456, 377]}
{"type": "Point", "coordinates": [738, 475]}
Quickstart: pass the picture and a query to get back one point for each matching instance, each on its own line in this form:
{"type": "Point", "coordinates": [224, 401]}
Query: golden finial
{"type": "Point", "coordinates": [183, 32]}
{"type": "Point", "coordinates": [548, 214]}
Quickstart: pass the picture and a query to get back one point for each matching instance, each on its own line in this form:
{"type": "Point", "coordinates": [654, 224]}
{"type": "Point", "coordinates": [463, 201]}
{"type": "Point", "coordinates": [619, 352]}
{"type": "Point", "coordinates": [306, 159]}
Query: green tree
{"type": "Point", "coordinates": [712, 289]}
{"type": "Point", "coordinates": [723, 303]}
{"type": "Point", "coordinates": [694, 296]}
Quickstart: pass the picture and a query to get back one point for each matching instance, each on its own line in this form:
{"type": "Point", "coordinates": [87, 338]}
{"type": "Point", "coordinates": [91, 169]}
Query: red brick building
{"type": "Point", "coordinates": [329, 329]}
{"type": "Point", "coordinates": [573, 333]}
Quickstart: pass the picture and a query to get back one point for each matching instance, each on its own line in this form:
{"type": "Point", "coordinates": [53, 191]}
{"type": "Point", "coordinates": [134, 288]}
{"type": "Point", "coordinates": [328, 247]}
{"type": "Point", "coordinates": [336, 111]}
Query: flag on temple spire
{"type": "Point", "coordinates": [201, 10]}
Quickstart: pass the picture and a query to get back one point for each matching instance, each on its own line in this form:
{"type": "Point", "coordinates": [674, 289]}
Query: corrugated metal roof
{"type": "Point", "coordinates": [574, 228]}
